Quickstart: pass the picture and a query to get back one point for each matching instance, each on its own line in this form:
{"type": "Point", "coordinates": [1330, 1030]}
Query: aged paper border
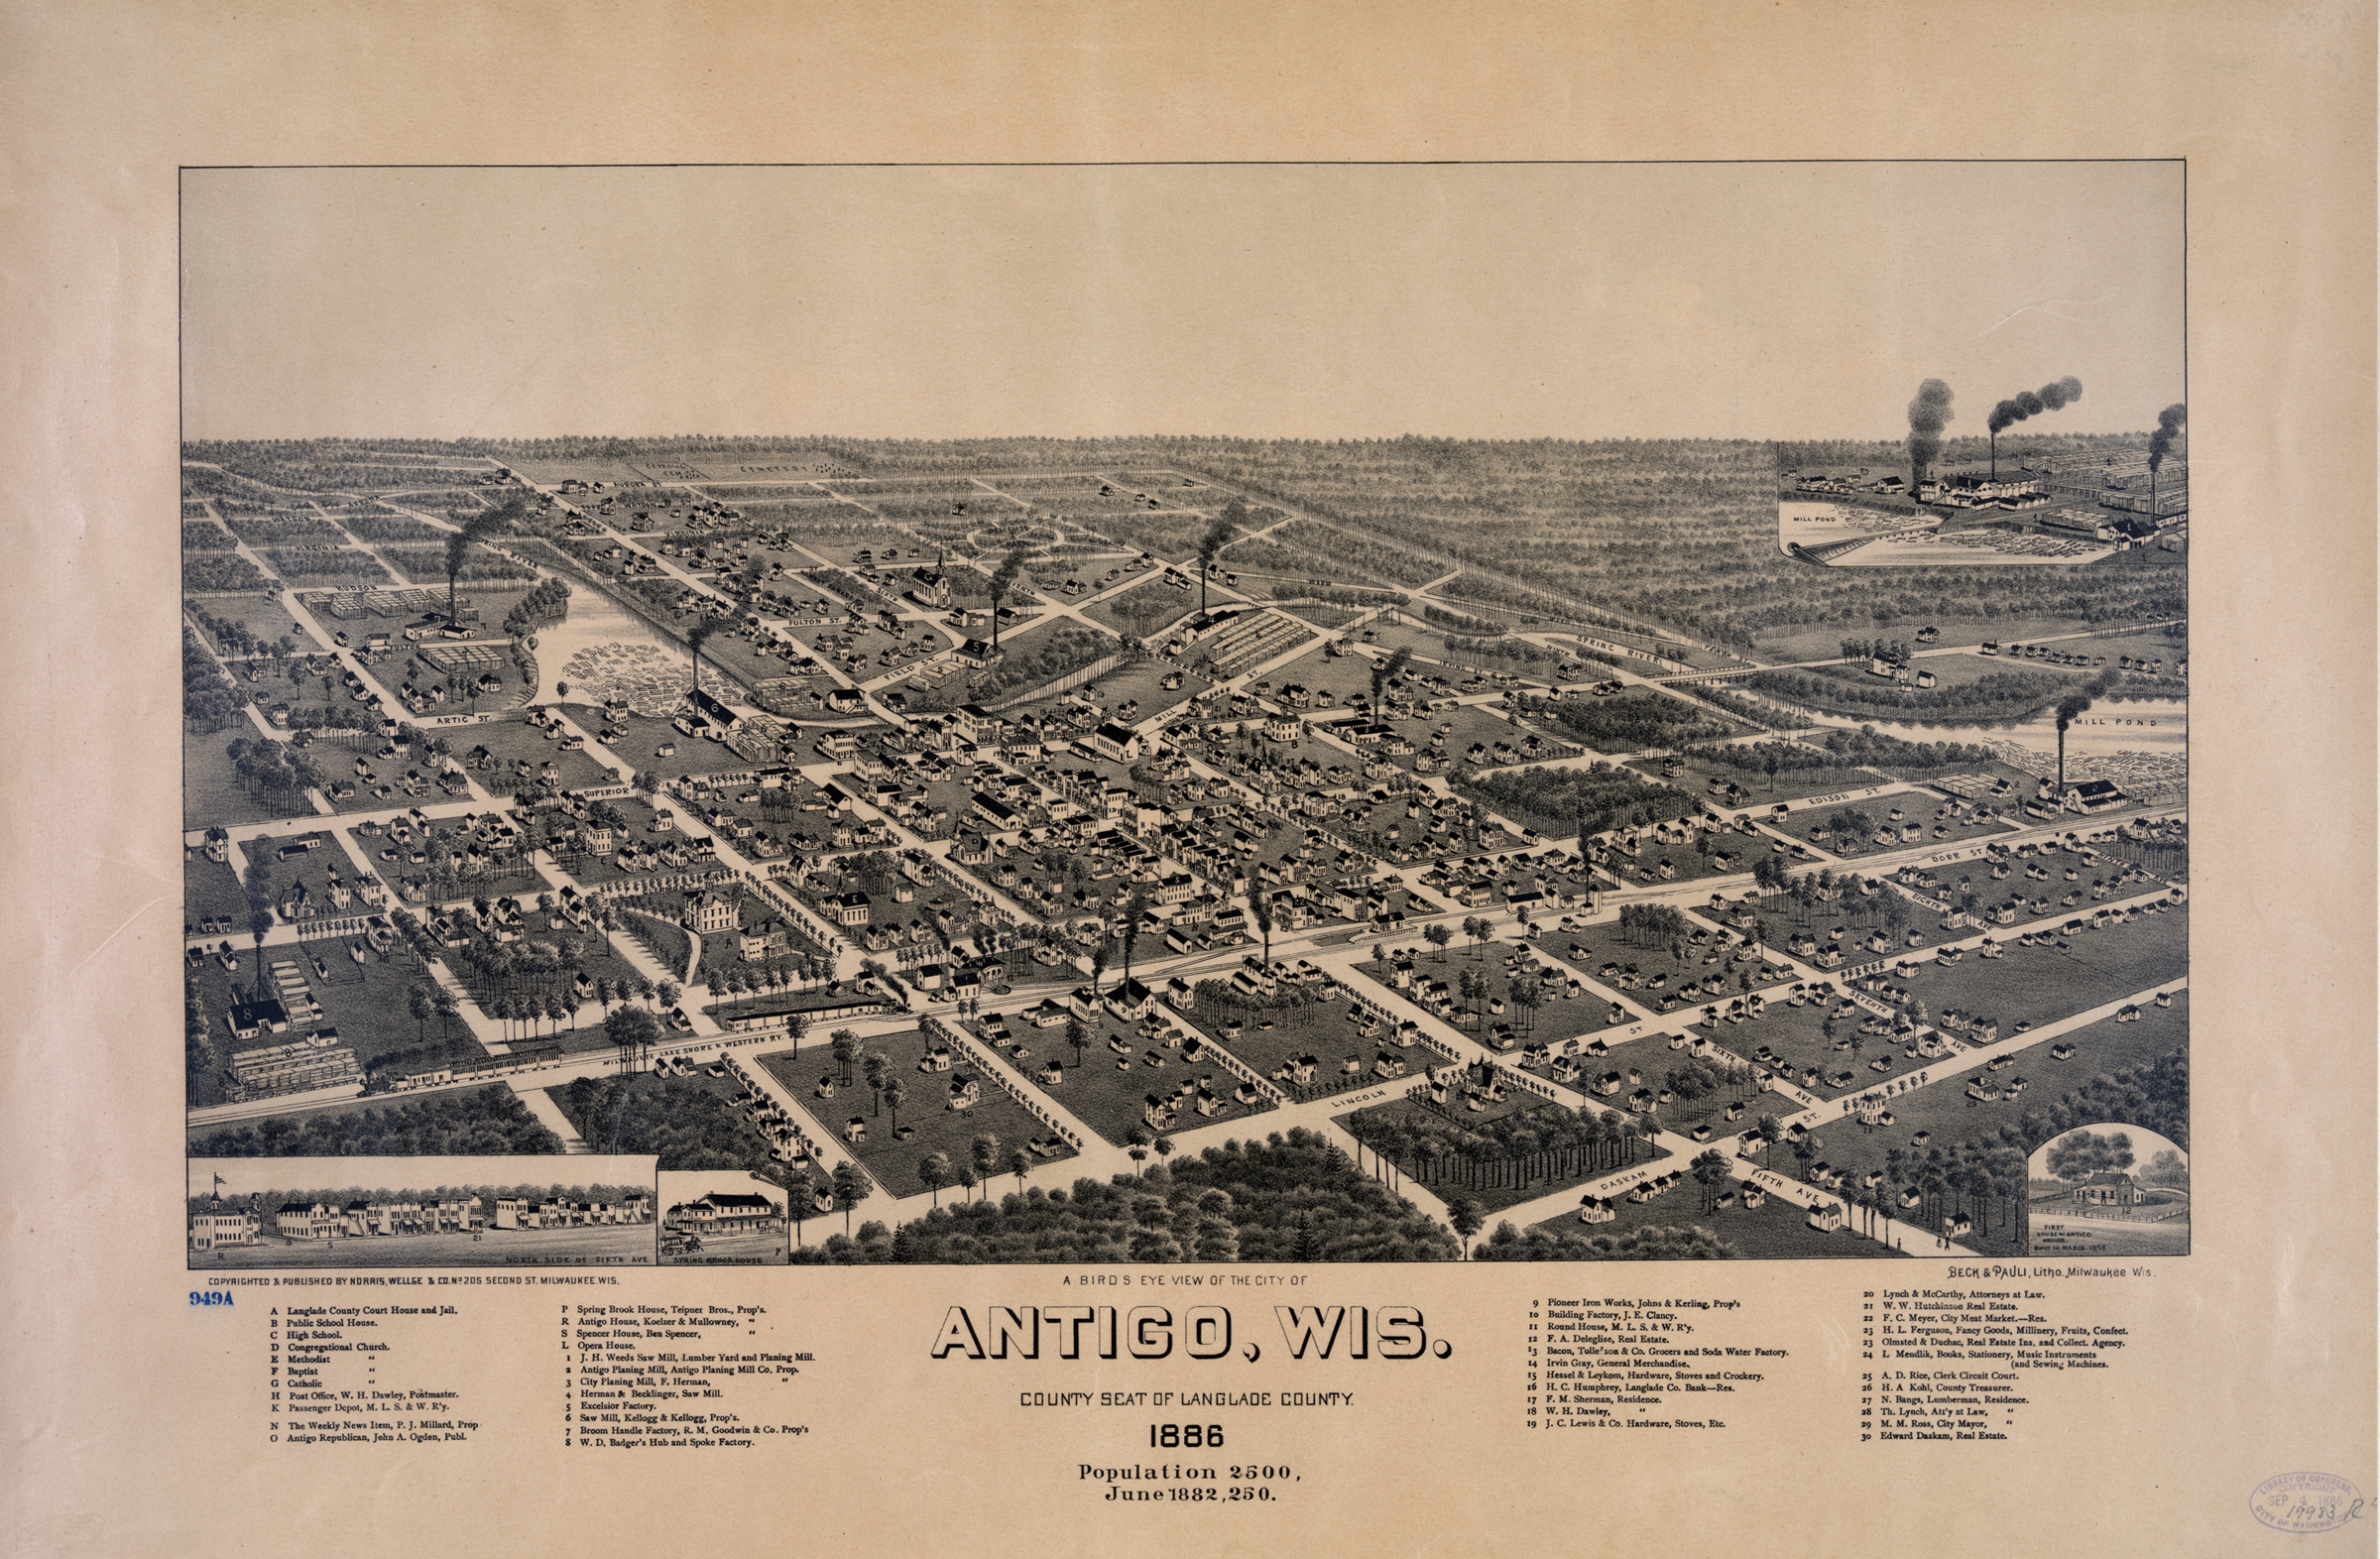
{"type": "Point", "coordinates": [129, 1426]}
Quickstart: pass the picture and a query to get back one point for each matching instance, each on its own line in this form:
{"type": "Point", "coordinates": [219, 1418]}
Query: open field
{"type": "Point", "coordinates": [1131, 693]}
{"type": "Point", "coordinates": [1710, 780]}
{"type": "Point", "coordinates": [1504, 1024]}
{"type": "Point", "coordinates": [209, 889]}
{"type": "Point", "coordinates": [513, 743]}
{"type": "Point", "coordinates": [1470, 734]}
{"type": "Point", "coordinates": [1658, 865]}
{"type": "Point", "coordinates": [1106, 1089]}
{"type": "Point", "coordinates": [1888, 822]}
{"type": "Point", "coordinates": [1825, 643]}
{"type": "Point", "coordinates": [2039, 984]}
{"type": "Point", "coordinates": [896, 1140]}
{"type": "Point", "coordinates": [365, 1001]}
{"type": "Point", "coordinates": [1267, 1038]}
{"type": "Point", "coordinates": [211, 792]}
{"type": "Point", "coordinates": [263, 617]}
{"type": "Point", "coordinates": [1660, 974]}
{"type": "Point", "coordinates": [1793, 1042]}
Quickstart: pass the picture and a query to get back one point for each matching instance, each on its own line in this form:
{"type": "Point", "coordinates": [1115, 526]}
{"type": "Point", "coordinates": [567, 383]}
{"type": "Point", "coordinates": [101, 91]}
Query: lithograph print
{"type": "Point", "coordinates": [953, 770]}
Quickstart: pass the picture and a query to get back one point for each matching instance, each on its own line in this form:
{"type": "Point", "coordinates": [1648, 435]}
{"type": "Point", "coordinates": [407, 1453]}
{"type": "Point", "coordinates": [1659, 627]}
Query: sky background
{"type": "Point", "coordinates": [1775, 301]}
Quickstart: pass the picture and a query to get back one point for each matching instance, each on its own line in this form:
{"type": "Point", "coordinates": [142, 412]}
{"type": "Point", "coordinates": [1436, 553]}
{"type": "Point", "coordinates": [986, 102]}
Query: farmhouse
{"type": "Point", "coordinates": [2108, 1189]}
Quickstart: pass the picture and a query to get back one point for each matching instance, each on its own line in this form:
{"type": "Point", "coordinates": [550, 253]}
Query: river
{"type": "Point", "coordinates": [601, 649]}
{"type": "Point", "coordinates": [2142, 739]}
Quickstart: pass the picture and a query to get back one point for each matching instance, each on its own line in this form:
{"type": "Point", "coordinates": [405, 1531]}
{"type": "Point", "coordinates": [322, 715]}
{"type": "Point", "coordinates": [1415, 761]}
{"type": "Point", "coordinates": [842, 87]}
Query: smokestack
{"type": "Point", "coordinates": [1927, 415]}
{"type": "Point", "coordinates": [2170, 424]}
{"type": "Point", "coordinates": [2027, 402]}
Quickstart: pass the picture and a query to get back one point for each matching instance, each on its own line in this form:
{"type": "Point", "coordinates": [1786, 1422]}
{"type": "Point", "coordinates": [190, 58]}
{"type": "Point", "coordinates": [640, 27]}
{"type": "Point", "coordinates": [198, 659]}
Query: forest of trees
{"type": "Point", "coordinates": [1321, 544]}
{"type": "Point", "coordinates": [1548, 1142]}
{"type": "Point", "coordinates": [1291, 1198]}
{"type": "Point", "coordinates": [2154, 1096]}
{"type": "Point", "coordinates": [284, 527]}
{"type": "Point", "coordinates": [490, 1120]}
{"type": "Point", "coordinates": [547, 601]}
{"type": "Point", "coordinates": [1517, 654]}
{"type": "Point", "coordinates": [1680, 532]}
{"type": "Point", "coordinates": [1841, 751]}
{"type": "Point", "coordinates": [274, 773]}
{"type": "Point", "coordinates": [1337, 595]}
{"type": "Point", "coordinates": [389, 528]}
{"type": "Point", "coordinates": [201, 1057]}
{"type": "Point", "coordinates": [208, 700]}
{"type": "Point", "coordinates": [1653, 925]}
{"type": "Point", "coordinates": [1995, 696]}
{"type": "Point", "coordinates": [1628, 722]}
{"type": "Point", "coordinates": [428, 565]}
{"type": "Point", "coordinates": [1463, 622]}
{"type": "Point", "coordinates": [1576, 800]}
{"type": "Point", "coordinates": [316, 465]}
{"type": "Point", "coordinates": [219, 571]}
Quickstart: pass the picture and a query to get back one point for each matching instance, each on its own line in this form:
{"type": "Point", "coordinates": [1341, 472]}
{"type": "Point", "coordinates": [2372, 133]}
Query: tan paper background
{"type": "Point", "coordinates": [131, 1418]}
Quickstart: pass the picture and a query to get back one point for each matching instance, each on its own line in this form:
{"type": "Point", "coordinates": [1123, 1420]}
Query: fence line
{"type": "Point", "coordinates": [1072, 679]}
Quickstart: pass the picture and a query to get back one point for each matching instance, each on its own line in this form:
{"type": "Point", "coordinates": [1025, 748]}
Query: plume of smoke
{"type": "Point", "coordinates": [1928, 415]}
{"type": "Point", "coordinates": [2170, 424]}
{"type": "Point", "coordinates": [2030, 403]}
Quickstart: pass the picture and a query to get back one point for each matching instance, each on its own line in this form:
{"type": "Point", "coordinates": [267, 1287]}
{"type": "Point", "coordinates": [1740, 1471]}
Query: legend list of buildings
{"type": "Point", "coordinates": [685, 1376]}
{"type": "Point", "coordinates": [1962, 1364]}
{"type": "Point", "coordinates": [1641, 1363]}
{"type": "Point", "coordinates": [342, 1373]}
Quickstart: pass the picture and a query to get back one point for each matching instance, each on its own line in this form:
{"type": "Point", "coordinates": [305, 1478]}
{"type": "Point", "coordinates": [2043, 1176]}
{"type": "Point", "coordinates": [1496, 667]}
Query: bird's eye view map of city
{"type": "Point", "coordinates": [1193, 849]}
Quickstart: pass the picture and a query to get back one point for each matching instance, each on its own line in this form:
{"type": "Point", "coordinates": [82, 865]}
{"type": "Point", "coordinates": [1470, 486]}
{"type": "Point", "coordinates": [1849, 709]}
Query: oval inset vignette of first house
{"type": "Point", "coordinates": [2307, 1503]}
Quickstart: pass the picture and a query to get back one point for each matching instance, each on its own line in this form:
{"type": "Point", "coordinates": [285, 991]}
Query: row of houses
{"type": "Point", "coordinates": [369, 1217]}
